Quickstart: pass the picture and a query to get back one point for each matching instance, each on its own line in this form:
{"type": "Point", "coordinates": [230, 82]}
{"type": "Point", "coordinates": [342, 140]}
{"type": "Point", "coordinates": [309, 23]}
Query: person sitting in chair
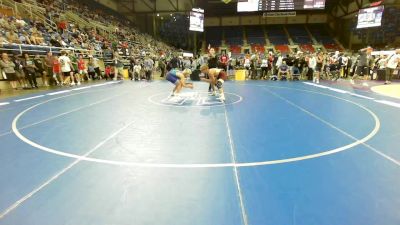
{"type": "Point", "coordinates": [283, 71]}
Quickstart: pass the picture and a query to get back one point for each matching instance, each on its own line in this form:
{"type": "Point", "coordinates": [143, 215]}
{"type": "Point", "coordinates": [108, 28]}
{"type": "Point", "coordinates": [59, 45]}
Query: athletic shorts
{"type": "Point", "coordinates": [333, 67]}
{"type": "Point", "coordinates": [318, 68]}
{"type": "Point", "coordinates": [171, 78]}
{"type": "Point", "coordinates": [362, 70]}
{"type": "Point", "coordinates": [66, 74]}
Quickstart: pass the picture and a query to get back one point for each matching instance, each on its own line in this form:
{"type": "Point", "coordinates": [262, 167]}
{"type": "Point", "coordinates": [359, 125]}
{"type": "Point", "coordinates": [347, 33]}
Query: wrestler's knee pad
{"type": "Point", "coordinates": [219, 83]}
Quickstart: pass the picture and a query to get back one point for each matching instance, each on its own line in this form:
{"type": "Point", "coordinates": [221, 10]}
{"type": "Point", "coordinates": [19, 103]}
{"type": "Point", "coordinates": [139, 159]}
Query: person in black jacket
{"type": "Point", "coordinates": [40, 69]}
{"type": "Point", "coordinates": [212, 62]}
{"type": "Point", "coordinates": [29, 69]}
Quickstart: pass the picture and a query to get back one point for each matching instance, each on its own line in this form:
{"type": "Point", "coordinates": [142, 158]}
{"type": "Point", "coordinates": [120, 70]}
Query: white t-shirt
{"type": "Point", "coordinates": [20, 22]}
{"type": "Point", "coordinates": [264, 63]}
{"type": "Point", "coordinates": [382, 63]}
{"type": "Point", "coordinates": [393, 61]}
{"type": "Point", "coordinates": [95, 62]}
{"type": "Point", "coordinates": [65, 64]}
{"type": "Point", "coordinates": [345, 60]}
{"type": "Point", "coordinates": [279, 61]}
{"type": "Point", "coordinates": [312, 63]}
{"type": "Point", "coordinates": [247, 62]}
{"type": "Point", "coordinates": [137, 68]}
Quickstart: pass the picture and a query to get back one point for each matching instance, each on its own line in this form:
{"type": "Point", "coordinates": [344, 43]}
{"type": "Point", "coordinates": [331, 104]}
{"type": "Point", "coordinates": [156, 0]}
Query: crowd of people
{"type": "Point", "coordinates": [309, 66]}
{"type": "Point", "coordinates": [125, 46]}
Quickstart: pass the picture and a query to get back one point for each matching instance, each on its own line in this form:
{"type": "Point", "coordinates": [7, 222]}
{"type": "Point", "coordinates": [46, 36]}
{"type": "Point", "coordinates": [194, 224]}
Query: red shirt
{"type": "Point", "coordinates": [56, 66]}
{"type": "Point", "coordinates": [81, 64]}
{"type": "Point", "coordinates": [224, 59]}
{"type": "Point", "coordinates": [108, 70]}
{"type": "Point", "coordinates": [62, 25]}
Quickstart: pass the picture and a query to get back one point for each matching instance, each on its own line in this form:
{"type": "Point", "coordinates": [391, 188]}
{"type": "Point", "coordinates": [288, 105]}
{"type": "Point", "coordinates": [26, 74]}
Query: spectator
{"type": "Point", "coordinates": [283, 71]}
{"type": "Point", "coordinates": [12, 37]}
{"type": "Point", "coordinates": [148, 67]}
{"type": "Point", "coordinates": [66, 69]}
{"type": "Point", "coordinates": [19, 70]}
{"type": "Point", "coordinates": [48, 64]}
{"type": "Point", "coordinates": [137, 70]}
{"type": "Point", "coordinates": [40, 69]}
{"type": "Point", "coordinates": [7, 67]}
{"type": "Point", "coordinates": [392, 63]}
{"type": "Point", "coordinates": [95, 63]}
{"type": "Point", "coordinates": [29, 69]}
{"type": "Point", "coordinates": [118, 67]}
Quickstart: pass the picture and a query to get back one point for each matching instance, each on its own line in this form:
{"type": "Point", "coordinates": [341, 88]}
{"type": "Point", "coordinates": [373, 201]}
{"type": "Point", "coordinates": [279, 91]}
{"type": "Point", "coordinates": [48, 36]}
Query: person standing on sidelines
{"type": "Point", "coordinates": [392, 63]}
{"type": "Point", "coordinates": [82, 67]}
{"type": "Point", "coordinates": [118, 67]}
{"type": "Point", "coordinates": [66, 69]}
{"type": "Point", "coordinates": [48, 65]}
{"type": "Point", "coordinates": [312, 64]}
{"type": "Point", "coordinates": [363, 64]}
{"type": "Point", "coordinates": [148, 65]}
{"type": "Point", "coordinates": [212, 62]}
{"type": "Point", "coordinates": [56, 70]}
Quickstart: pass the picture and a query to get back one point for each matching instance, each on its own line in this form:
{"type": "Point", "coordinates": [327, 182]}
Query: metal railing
{"type": "Point", "coordinates": [28, 9]}
{"type": "Point", "coordinates": [42, 50]}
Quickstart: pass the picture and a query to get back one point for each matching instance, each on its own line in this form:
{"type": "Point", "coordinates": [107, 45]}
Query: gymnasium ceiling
{"type": "Point", "coordinates": [217, 7]}
{"type": "Point", "coordinates": [212, 7]}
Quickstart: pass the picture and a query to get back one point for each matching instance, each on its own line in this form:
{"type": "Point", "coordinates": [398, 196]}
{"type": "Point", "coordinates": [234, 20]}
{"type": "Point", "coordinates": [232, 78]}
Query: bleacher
{"type": "Point", "coordinates": [322, 35]}
{"type": "Point", "coordinates": [299, 34]}
{"type": "Point", "coordinates": [277, 35]}
{"type": "Point", "coordinates": [258, 48]}
{"type": "Point", "coordinates": [282, 48]}
{"type": "Point", "coordinates": [255, 35]}
{"type": "Point", "coordinates": [235, 49]}
{"type": "Point", "coordinates": [233, 35]}
{"type": "Point", "coordinates": [307, 48]}
{"type": "Point", "coordinates": [213, 36]}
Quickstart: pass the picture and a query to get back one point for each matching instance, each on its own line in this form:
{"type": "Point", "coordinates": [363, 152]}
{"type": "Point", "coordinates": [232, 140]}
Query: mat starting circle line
{"type": "Point", "coordinates": [201, 165]}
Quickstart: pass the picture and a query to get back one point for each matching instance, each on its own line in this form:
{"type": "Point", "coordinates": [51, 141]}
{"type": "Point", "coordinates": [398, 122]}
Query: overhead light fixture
{"type": "Point", "coordinates": [226, 1]}
{"type": "Point", "coordinates": [158, 14]}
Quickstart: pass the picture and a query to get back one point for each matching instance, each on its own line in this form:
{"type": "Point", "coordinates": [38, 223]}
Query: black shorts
{"type": "Point", "coordinates": [362, 70]}
{"type": "Point", "coordinates": [65, 74]}
{"type": "Point", "coordinates": [333, 68]}
{"type": "Point", "coordinates": [11, 76]}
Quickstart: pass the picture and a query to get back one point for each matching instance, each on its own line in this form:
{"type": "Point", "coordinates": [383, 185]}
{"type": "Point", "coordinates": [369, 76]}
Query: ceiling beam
{"type": "Point", "coordinates": [163, 11]}
{"type": "Point", "coordinates": [342, 8]}
{"type": "Point", "coordinates": [173, 6]}
{"type": "Point", "coordinates": [148, 5]}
